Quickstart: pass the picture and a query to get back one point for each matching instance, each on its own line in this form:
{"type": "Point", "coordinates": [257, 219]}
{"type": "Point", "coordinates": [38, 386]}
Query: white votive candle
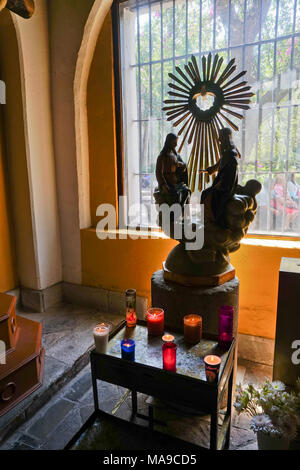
{"type": "Point", "coordinates": [101, 334]}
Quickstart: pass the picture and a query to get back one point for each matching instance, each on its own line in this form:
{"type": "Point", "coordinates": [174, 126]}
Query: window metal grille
{"type": "Point", "coordinates": [264, 37]}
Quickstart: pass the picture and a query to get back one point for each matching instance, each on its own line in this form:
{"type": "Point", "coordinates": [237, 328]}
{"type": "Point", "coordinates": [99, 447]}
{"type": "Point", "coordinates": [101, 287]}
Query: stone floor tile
{"type": "Point", "coordinates": [85, 412]}
{"type": "Point", "coordinates": [26, 442]}
{"type": "Point", "coordinates": [22, 446]}
{"type": "Point", "coordinates": [64, 432]}
{"type": "Point", "coordinates": [80, 386]}
{"type": "Point", "coordinates": [46, 423]}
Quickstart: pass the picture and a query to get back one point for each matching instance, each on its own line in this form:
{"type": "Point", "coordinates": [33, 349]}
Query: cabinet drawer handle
{"type": "Point", "coordinates": [8, 391]}
{"type": "Point", "coordinates": [13, 325]}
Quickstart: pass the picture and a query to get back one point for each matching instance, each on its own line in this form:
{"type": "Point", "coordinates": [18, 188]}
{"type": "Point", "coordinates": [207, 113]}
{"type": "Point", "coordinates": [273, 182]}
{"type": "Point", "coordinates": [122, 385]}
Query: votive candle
{"type": "Point", "coordinates": [128, 349]}
{"type": "Point", "coordinates": [192, 328]}
{"type": "Point", "coordinates": [212, 368]}
{"type": "Point", "coordinates": [168, 338]}
{"type": "Point", "coordinates": [155, 321]}
{"type": "Point", "coordinates": [169, 356]}
{"type": "Point", "coordinates": [131, 307]}
{"type": "Point", "coordinates": [225, 326]}
{"type": "Point", "coordinates": [101, 334]}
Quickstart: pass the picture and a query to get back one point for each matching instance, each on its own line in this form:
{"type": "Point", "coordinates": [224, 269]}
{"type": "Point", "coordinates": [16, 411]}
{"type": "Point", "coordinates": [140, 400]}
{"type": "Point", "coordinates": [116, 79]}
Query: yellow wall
{"type": "Point", "coordinates": [100, 102]}
{"type": "Point", "coordinates": [257, 266]}
{"type": "Point", "coordinates": [14, 131]}
{"type": "Point", "coordinates": [8, 277]}
{"type": "Point", "coordinates": [118, 264]}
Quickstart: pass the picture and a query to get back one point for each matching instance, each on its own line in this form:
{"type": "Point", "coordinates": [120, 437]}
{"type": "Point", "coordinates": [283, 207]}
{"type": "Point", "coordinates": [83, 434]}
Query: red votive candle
{"type": "Point", "coordinates": [169, 356]}
{"type": "Point", "coordinates": [225, 326]}
{"type": "Point", "coordinates": [155, 321]}
{"type": "Point", "coordinates": [131, 307]}
{"type": "Point", "coordinates": [212, 368]}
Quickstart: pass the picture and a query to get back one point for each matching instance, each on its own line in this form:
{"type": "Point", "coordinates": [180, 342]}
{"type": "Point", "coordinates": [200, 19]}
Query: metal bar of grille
{"type": "Point", "coordinates": [214, 28]}
{"type": "Point", "coordinates": [140, 100]}
{"type": "Point", "coordinates": [200, 29]}
{"type": "Point", "coordinates": [173, 36]}
{"type": "Point", "coordinates": [259, 117]}
{"type": "Point", "coordinates": [243, 67]}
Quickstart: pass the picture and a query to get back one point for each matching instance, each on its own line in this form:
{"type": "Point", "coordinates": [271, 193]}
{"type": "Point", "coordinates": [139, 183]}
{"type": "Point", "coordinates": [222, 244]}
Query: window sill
{"type": "Point", "coordinates": [250, 240]}
{"type": "Point", "coordinates": [130, 233]}
{"type": "Point", "coordinates": [271, 243]}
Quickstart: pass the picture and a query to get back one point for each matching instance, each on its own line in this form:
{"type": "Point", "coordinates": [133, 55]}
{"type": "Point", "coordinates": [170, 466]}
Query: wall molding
{"type": "Point", "coordinates": [94, 297]}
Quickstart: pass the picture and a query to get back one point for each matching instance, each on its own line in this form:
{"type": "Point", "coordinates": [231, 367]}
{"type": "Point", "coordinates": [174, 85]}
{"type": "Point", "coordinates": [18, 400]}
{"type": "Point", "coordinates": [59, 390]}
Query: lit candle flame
{"type": "Point", "coordinates": [168, 338]}
{"type": "Point", "coordinates": [212, 360]}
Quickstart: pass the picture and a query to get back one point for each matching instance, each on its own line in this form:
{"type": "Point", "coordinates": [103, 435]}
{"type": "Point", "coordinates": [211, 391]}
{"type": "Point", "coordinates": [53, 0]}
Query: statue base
{"type": "Point", "coordinates": [178, 300]}
{"type": "Point", "coordinates": [208, 280]}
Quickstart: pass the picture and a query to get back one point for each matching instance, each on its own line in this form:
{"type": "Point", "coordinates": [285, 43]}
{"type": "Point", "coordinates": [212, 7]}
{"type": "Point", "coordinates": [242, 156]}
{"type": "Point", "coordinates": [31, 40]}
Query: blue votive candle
{"type": "Point", "coordinates": [128, 349]}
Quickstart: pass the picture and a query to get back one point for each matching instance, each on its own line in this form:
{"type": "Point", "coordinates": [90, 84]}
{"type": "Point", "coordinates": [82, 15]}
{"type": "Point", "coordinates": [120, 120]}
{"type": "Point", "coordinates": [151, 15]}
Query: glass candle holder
{"type": "Point", "coordinates": [131, 307]}
{"type": "Point", "coordinates": [169, 356]}
{"type": "Point", "coordinates": [101, 335]}
{"type": "Point", "coordinates": [128, 349]}
{"type": "Point", "coordinates": [155, 321]}
{"type": "Point", "coordinates": [225, 326]}
{"type": "Point", "coordinates": [192, 328]}
{"type": "Point", "coordinates": [212, 368]}
{"type": "Point", "coordinates": [168, 338]}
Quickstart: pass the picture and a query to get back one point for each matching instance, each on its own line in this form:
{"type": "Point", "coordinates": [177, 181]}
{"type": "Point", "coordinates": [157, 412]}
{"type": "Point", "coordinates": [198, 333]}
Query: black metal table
{"type": "Point", "coordinates": [187, 387]}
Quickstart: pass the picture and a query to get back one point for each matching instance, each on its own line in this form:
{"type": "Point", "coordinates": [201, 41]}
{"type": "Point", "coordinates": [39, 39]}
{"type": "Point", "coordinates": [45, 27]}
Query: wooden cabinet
{"type": "Point", "coordinates": [23, 369]}
{"type": "Point", "coordinates": [8, 321]}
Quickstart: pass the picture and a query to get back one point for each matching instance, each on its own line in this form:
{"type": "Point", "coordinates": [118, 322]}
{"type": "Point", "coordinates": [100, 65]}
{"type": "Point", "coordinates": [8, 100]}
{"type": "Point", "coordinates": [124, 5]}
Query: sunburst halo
{"type": "Point", "coordinates": [200, 127]}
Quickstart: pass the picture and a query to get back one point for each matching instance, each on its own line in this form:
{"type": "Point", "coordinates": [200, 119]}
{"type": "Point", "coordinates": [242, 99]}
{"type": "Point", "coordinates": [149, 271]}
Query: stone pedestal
{"type": "Point", "coordinates": [178, 301]}
{"type": "Point", "coordinates": [287, 342]}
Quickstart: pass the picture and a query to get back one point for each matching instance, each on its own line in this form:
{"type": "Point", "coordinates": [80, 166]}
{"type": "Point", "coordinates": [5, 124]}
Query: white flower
{"type": "Point", "coordinates": [278, 386]}
{"type": "Point", "coordinates": [261, 423]}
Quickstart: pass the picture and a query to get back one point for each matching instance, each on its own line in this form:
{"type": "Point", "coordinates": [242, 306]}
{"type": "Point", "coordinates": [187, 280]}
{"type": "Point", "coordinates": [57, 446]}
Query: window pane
{"type": "Point", "coordinates": [145, 91]}
{"type": "Point", "coordinates": [222, 13]}
{"type": "Point", "coordinates": [143, 28]}
{"type": "Point", "coordinates": [237, 23]}
{"type": "Point", "coordinates": [193, 29]}
{"type": "Point", "coordinates": [207, 25]}
{"type": "Point", "coordinates": [285, 17]}
{"type": "Point", "coordinates": [269, 20]}
{"type": "Point", "coordinates": [280, 139]}
{"type": "Point", "coordinates": [156, 31]}
{"type": "Point", "coordinates": [168, 29]}
{"type": "Point", "coordinates": [180, 28]}
{"type": "Point", "coordinates": [156, 90]}
{"type": "Point", "coordinates": [252, 23]}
